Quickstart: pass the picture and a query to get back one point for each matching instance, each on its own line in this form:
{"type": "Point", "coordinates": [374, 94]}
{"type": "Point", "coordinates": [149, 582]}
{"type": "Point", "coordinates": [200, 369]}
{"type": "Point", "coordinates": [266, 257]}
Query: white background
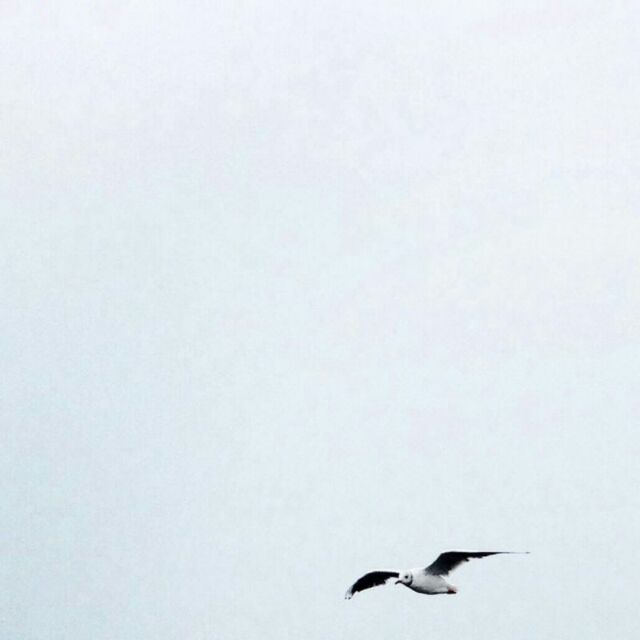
{"type": "Point", "coordinates": [294, 291]}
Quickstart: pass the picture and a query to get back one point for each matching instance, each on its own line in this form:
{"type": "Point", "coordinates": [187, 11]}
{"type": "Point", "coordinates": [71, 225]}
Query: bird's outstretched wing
{"type": "Point", "coordinates": [449, 560]}
{"type": "Point", "coordinates": [368, 580]}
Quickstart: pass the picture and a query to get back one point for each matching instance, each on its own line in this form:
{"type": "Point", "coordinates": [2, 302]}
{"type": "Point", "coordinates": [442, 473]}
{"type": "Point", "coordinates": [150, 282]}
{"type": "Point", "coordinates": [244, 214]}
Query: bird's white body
{"type": "Point", "coordinates": [423, 582]}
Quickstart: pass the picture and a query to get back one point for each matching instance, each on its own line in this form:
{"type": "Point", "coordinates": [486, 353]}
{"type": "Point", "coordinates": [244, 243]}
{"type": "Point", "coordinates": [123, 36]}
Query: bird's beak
{"type": "Point", "coordinates": [398, 582]}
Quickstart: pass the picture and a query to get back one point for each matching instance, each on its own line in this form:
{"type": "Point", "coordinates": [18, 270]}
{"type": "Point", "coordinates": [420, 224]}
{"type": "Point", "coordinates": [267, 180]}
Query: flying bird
{"type": "Point", "coordinates": [429, 580]}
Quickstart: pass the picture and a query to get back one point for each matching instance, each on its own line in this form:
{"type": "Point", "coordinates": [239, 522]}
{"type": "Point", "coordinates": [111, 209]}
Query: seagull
{"type": "Point", "coordinates": [427, 580]}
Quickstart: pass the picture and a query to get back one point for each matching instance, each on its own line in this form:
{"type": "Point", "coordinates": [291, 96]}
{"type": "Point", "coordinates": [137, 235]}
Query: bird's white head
{"type": "Point", "coordinates": [405, 578]}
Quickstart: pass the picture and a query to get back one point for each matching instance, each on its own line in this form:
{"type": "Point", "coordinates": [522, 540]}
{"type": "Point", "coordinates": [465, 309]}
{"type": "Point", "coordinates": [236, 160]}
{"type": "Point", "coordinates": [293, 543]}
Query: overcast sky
{"type": "Point", "coordinates": [294, 291]}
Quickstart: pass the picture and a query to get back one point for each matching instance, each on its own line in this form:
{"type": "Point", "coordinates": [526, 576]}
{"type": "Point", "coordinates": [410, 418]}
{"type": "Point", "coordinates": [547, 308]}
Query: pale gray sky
{"type": "Point", "coordinates": [293, 292]}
